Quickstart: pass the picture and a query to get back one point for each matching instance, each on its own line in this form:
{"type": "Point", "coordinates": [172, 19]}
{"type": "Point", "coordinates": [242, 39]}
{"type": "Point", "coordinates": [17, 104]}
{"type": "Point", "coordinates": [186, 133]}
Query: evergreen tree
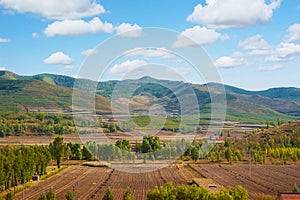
{"type": "Point", "coordinates": [128, 195]}
{"type": "Point", "coordinates": [228, 155]}
{"type": "Point", "coordinates": [42, 197]}
{"type": "Point", "coordinates": [108, 195]}
{"type": "Point", "coordinates": [70, 196]}
{"type": "Point", "coordinates": [296, 188]}
{"type": "Point", "coordinates": [51, 194]}
{"type": "Point", "coordinates": [57, 148]}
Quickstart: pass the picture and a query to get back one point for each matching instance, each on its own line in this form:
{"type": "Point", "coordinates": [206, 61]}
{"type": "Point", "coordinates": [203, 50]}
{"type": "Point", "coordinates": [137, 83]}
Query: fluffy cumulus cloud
{"type": "Point", "coordinates": [284, 52]}
{"type": "Point", "coordinates": [56, 9]}
{"type": "Point", "coordinates": [2, 68]}
{"type": "Point", "coordinates": [196, 36]}
{"type": "Point", "coordinates": [293, 33]}
{"type": "Point", "coordinates": [257, 45]}
{"type": "Point", "coordinates": [236, 60]}
{"type": "Point", "coordinates": [128, 30]}
{"type": "Point", "coordinates": [4, 40]}
{"type": "Point", "coordinates": [59, 58]}
{"type": "Point", "coordinates": [148, 53]}
{"type": "Point", "coordinates": [89, 52]}
{"type": "Point", "coordinates": [127, 66]}
{"type": "Point", "coordinates": [232, 13]}
{"type": "Point", "coordinates": [270, 68]}
{"type": "Point", "coordinates": [78, 27]}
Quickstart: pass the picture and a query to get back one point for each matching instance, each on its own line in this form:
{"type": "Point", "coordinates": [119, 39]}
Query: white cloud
{"type": "Point", "coordinates": [232, 13]}
{"type": "Point", "coordinates": [56, 9]}
{"type": "Point", "coordinates": [261, 52]}
{"type": "Point", "coordinates": [89, 52]}
{"type": "Point", "coordinates": [128, 30]}
{"type": "Point", "coordinates": [293, 33]}
{"type": "Point", "coordinates": [127, 66]}
{"type": "Point", "coordinates": [148, 53]}
{"type": "Point", "coordinates": [77, 27]}
{"type": "Point", "coordinates": [2, 68]}
{"type": "Point", "coordinates": [235, 60]}
{"type": "Point", "coordinates": [196, 36]}
{"type": "Point", "coordinates": [254, 42]}
{"type": "Point", "coordinates": [237, 54]}
{"type": "Point", "coordinates": [4, 40]}
{"type": "Point", "coordinates": [59, 58]}
{"type": "Point", "coordinates": [225, 37]}
{"type": "Point", "coordinates": [270, 68]}
{"type": "Point", "coordinates": [34, 35]}
{"type": "Point", "coordinates": [284, 52]}
{"type": "Point", "coordinates": [257, 45]}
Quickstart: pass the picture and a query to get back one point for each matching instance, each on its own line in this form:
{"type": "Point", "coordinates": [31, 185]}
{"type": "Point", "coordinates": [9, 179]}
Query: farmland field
{"type": "Point", "coordinates": [257, 179]}
{"type": "Point", "coordinates": [92, 182]}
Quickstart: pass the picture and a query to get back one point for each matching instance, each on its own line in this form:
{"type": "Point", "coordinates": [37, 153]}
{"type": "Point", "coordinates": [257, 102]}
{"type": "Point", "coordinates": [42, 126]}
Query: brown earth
{"type": "Point", "coordinates": [257, 179]}
{"type": "Point", "coordinates": [92, 182]}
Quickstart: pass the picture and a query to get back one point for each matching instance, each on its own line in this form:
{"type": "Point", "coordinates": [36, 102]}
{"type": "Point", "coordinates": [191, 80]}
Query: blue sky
{"type": "Point", "coordinates": [254, 44]}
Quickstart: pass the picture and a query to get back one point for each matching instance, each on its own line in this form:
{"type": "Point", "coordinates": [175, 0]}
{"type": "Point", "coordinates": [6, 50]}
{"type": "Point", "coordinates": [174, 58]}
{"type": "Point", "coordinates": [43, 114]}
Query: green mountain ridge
{"type": "Point", "coordinates": [26, 93]}
{"type": "Point", "coordinates": [242, 105]}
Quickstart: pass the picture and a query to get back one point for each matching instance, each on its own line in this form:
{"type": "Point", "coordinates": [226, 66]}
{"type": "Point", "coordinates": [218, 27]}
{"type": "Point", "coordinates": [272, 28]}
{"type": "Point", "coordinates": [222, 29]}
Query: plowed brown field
{"type": "Point", "coordinates": [257, 179]}
{"type": "Point", "coordinates": [92, 182]}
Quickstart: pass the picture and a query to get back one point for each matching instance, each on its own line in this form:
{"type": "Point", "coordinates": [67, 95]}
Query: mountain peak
{"type": "Point", "coordinates": [147, 78]}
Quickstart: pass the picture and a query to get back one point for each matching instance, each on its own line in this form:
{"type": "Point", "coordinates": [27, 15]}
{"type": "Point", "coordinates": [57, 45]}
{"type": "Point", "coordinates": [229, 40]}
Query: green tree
{"type": "Point", "coordinates": [146, 146]}
{"type": "Point", "coordinates": [51, 194]}
{"type": "Point", "coordinates": [57, 148]}
{"type": "Point", "coordinates": [268, 124]}
{"type": "Point", "coordinates": [108, 195]}
{"type": "Point", "coordinates": [124, 144]}
{"type": "Point", "coordinates": [228, 155]}
{"type": "Point", "coordinates": [195, 153]}
{"type": "Point", "coordinates": [40, 116]}
{"type": "Point", "coordinates": [128, 195]}
{"type": "Point", "coordinates": [70, 196]}
{"type": "Point", "coordinates": [86, 154]}
{"type": "Point", "coordinates": [295, 188]}
{"type": "Point", "coordinates": [227, 142]}
{"type": "Point", "coordinates": [42, 197]}
{"type": "Point", "coordinates": [10, 196]}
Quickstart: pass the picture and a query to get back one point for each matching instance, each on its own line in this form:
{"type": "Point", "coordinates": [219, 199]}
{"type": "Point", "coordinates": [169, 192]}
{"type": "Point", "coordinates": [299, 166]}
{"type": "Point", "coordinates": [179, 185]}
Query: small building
{"type": "Point", "coordinates": [288, 195]}
{"type": "Point", "coordinates": [35, 178]}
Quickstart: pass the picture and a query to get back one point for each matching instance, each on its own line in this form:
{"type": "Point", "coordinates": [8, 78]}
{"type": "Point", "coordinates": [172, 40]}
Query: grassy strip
{"type": "Point", "coordinates": [194, 170]}
{"type": "Point", "coordinates": [52, 173]}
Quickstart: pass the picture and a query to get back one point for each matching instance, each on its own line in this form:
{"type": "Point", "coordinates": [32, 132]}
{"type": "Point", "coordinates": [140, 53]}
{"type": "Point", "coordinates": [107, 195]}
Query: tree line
{"type": "Point", "coordinates": [42, 123]}
{"type": "Point", "coordinates": [19, 163]}
{"type": "Point", "coordinates": [170, 192]}
{"type": "Point", "coordinates": [150, 148]}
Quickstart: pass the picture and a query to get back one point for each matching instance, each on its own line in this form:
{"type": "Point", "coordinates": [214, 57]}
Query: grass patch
{"type": "Point", "coordinates": [53, 172]}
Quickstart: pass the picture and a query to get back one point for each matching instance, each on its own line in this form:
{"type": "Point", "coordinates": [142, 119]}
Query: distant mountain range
{"type": "Point", "coordinates": [54, 92]}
